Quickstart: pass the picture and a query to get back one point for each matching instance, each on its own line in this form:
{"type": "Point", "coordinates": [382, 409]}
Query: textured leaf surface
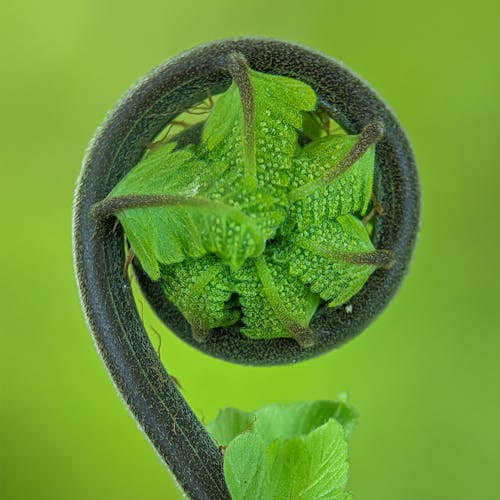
{"type": "Point", "coordinates": [230, 223]}
{"type": "Point", "coordinates": [277, 114]}
{"type": "Point", "coordinates": [317, 256]}
{"type": "Point", "coordinates": [274, 303]}
{"type": "Point", "coordinates": [313, 201]}
{"type": "Point", "coordinates": [201, 289]}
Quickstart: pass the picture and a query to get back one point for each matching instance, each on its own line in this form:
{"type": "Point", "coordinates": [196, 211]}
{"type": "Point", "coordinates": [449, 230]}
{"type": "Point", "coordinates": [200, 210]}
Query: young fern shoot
{"type": "Point", "coordinates": [248, 227]}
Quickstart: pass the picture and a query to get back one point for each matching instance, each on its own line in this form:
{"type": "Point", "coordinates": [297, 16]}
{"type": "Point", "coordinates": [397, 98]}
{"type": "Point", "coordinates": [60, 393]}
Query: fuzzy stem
{"type": "Point", "coordinates": [238, 69]}
{"type": "Point", "coordinates": [111, 206]}
{"type": "Point", "coordinates": [377, 258]}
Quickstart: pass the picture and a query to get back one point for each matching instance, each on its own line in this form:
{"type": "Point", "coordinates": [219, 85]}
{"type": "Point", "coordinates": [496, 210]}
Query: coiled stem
{"type": "Point", "coordinates": [147, 389]}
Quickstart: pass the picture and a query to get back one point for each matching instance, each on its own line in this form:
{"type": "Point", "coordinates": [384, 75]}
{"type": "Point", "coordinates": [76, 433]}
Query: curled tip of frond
{"type": "Point", "coordinates": [372, 133]}
{"type": "Point", "coordinates": [368, 137]}
{"type": "Point", "coordinates": [386, 259]}
{"type": "Point", "coordinates": [378, 258]}
{"type": "Point", "coordinates": [303, 335]}
{"type": "Point", "coordinates": [111, 205]}
{"type": "Point", "coordinates": [101, 210]}
{"type": "Point", "coordinates": [236, 64]}
{"type": "Point", "coordinates": [199, 333]}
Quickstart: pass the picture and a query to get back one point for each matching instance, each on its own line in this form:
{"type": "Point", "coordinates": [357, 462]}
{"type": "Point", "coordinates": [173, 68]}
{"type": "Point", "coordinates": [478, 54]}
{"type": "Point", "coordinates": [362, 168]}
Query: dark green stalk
{"type": "Point", "coordinates": [238, 69]}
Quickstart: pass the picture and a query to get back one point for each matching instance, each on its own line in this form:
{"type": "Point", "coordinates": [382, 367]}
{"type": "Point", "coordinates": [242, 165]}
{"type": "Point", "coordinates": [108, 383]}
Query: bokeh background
{"type": "Point", "coordinates": [424, 377]}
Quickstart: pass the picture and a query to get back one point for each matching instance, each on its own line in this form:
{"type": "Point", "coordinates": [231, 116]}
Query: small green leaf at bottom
{"type": "Point", "coordinates": [286, 452]}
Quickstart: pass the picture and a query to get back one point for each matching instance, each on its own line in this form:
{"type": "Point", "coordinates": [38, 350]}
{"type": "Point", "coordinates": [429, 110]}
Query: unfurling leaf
{"type": "Point", "coordinates": [258, 221]}
{"type": "Point", "coordinates": [201, 289]}
{"type": "Point", "coordinates": [318, 192]}
{"type": "Point", "coordinates": [253, 127]}
{"type": "Point", "coordinates": [274, 303]}
{"type": "Point", "coordinates": [175, 208]}
{"type": "Point", "coordinates": [335, 257]}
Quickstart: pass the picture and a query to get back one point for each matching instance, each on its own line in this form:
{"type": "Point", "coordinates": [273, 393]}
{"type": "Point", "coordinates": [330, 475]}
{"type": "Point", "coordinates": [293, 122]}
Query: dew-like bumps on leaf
{"type": "Point", "coordinates": [247, 227]}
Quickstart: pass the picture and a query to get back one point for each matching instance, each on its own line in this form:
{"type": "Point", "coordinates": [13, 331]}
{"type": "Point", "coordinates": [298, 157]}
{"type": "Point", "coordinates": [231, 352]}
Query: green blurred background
{"type": "Point", "coordinates": [424, 376]}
